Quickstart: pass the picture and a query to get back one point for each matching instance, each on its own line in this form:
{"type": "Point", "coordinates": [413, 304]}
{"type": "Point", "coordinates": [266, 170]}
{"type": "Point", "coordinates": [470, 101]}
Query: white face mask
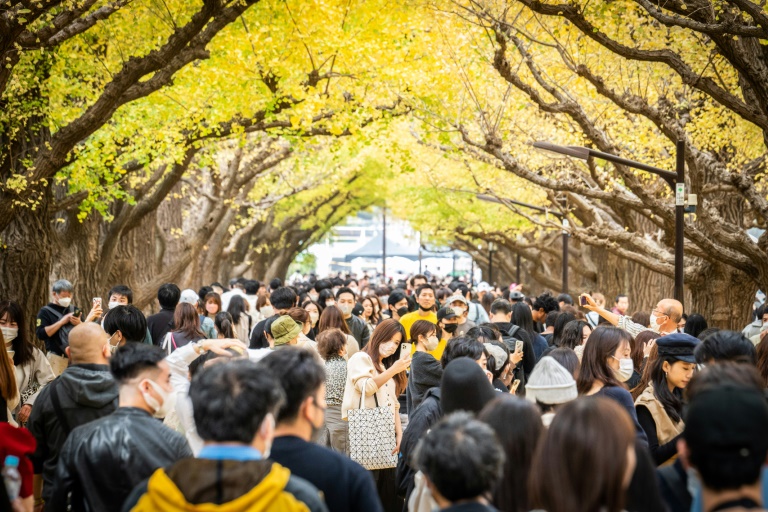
{"type": "Point", "coordinates": [314, 317]}
{"type": "Point", "coordinates": [114, 304]}
{"type": "Point", "coordinates": [626, 368]}
{"type": "Point", "coordinates": [346, 309]}
{"type": "Point", "coordinates": [169, 398]}
{"type": "Point", "coordinates": [313, 297]}
{"type": "Point", "coordinates": [9, 333]}
{"type": "Point", "coordinates": [459, 310]}
{"type": "Point", "coordinates": [329, 303]}
{"type": "Point", "coordinates": [267, 311]}
{"type": "Point", "coordinates": [65, 302]}
{"type": "Point", "coordinates": [431, 343]}
{"type": "Point", "coordinates": [654, 325]}
{"type": "Point", "coordinates": [388, 348]}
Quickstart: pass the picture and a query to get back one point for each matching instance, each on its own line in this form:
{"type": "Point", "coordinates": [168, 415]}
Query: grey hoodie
{"type": "Point", "coordinates": [84, 392]}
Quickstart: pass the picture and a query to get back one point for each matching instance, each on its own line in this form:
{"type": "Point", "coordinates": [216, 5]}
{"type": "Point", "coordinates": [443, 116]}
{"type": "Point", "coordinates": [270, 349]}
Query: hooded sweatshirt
{"type": "Point", "coordinates": [206, 485]}
{"type": "Point", "coordinates": [82, 393]}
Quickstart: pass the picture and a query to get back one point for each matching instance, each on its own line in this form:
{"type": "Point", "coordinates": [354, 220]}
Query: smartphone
{"type": "Point", "coordinates": [583, 300]}
{"type": "Point", "coordinates": [97, 300]}
{"type": "Point", "coordinates": [514, 386]}
{"type": "Point", "coordinates": [405, 350]}
{"type": "Point", "coordinates": [77, 312]}
{"type": "Point", "coordinates": [518, 346]}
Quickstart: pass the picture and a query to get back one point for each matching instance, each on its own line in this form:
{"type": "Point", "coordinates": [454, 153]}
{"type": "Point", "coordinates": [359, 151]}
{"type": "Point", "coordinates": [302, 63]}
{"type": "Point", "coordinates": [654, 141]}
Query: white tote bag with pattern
{"type": "Point", "coordinates": [372, 435]}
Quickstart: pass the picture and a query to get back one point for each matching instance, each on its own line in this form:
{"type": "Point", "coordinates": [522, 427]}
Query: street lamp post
{"type": "Point", "coordinates": [491, 247]}
{"type": "Point", "coordinates": [676, 180]}
{"type": "Point", "coordinates": [493, 199]}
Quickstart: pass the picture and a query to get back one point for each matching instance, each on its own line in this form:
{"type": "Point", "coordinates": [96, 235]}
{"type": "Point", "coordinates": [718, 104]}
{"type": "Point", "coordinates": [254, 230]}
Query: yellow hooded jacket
{"type": "Point", "coordinates": [268, 496]}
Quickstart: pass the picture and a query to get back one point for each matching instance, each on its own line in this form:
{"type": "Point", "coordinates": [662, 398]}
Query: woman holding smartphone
{"type": "Point", "coordinates": [378, 369]}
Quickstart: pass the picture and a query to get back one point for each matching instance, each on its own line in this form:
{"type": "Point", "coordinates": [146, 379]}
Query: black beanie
{"type": "Point", "coordinates": [465, 387]}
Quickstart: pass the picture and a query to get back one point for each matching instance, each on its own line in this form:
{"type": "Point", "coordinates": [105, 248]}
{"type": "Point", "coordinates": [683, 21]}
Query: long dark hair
{"type": "Point", "coordinates": [567, 453]}
{"type": "Point", "coordinates": [187, 321]}
{"type": "Point", "coordinates": [762, 358]}
{"type": "Point", "coordinates": [518, 426]}
{"type": "Point", "coordinates": [331, 318]}
{"type": "Point", "coordinates": [671, 400]}
{"type": "Point", "coordinates": [237, 308]}
{"type": "Point", "coordinates": [374, 316]}
{"type": "Point", "coordinates": [23, 350]}
{"type": "Point", "coordinates": [383, 333]}
{"type": "Point", "coordinates": [521, 317]}
{"type": "Point", "coordinates": [695, 324]}
{"type": "Point", "coordinates": [8, 387]}
{"type": "Point", "coordinates": [601, 345]}
{"type": "Point", "coordinates": [563, 319]}
{"type": "Point", "coordinates": [572, 334]}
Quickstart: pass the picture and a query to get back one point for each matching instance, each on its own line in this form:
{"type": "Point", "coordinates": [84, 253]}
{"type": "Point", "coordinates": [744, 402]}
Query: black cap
{"type": "Point", "coordinates": [678, 345]}
{"type": "Point", "coordinates": [517, 296]}
{"type": "Point", "coordinates": [728, 422]}
{"type": "Point", "coordinates": [446, 313]}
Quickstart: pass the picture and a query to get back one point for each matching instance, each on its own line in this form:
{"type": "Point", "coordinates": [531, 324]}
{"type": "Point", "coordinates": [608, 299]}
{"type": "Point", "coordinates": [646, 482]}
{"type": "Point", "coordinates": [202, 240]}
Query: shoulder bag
{"type": "Point", "coordinates": [372, 435]}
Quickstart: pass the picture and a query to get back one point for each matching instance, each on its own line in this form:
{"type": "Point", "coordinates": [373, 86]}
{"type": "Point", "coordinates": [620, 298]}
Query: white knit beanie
{"type": "Point", "coordinates": [550, 383]}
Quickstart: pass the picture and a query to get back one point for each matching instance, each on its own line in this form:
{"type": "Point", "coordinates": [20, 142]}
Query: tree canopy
{"type": "Point", "coordinates": [232, 135]}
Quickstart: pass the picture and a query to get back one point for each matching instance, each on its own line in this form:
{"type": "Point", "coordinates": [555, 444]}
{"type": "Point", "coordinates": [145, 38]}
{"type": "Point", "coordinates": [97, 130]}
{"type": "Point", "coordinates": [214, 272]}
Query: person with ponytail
{"type": "Point", "coordinates": [224, 325]}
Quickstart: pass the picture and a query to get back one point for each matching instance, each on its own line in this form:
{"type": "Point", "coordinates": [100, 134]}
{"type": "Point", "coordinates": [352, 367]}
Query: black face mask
{"type": "Point", "coordinates": [402, 311]}
{"type": "Point", "coordinates": [451, 328]}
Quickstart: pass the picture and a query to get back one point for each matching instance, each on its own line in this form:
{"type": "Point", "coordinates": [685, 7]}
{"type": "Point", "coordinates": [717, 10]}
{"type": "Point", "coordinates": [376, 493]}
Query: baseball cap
{"type": "Point", "coordinates": [446, 313]}
{"type": "Point", "coordinates": [483, 287]}
{"type": "Point", "coordinates": [189, 296]}
{"type": "Point", "coordinates": [455, 298]}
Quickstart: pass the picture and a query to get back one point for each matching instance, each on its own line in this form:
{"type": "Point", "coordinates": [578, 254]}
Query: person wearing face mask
{"type": "Point", "coordinates": [346, 300]}
{"type": "Point", "coordinates": [124, 324]}
{"type": "Point", "coordinates": [426, 370]}
{"type": "Point", "coordinates": [425, 298]}
{"type": "Point", "coordinates": [101, 462]}
{"type": "Point", "coordinates": [313, 308]}
{"type": "Point", "coordinates": [235, 404]}
{"type": "Point", "coordinates": [346, 485]}
{"type": "Point", "coordinates": [378, 369]}
{"type": "Point", "coordinates": [84, 392]}
{"type": "Point", "coordinates": [31, 368]}
{"type": "Point", "coordinates": [397, 305]}
{"type": "Point", "coordinates": [460, 307]}
{"type": "Point", "coordinates": [605, 366]}
{"type": "Point", "coordinates": [664, 317]}
{"type": "Point", "coordinates": [54, 322]}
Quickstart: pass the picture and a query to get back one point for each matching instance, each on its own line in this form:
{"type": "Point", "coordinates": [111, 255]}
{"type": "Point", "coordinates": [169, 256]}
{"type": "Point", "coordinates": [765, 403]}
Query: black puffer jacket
{"type": "Point", "coordinates": [103, 461]}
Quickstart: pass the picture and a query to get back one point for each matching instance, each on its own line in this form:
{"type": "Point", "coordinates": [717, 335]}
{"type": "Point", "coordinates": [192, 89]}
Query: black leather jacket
{"type": "Point", "coordinates": [103, 461]}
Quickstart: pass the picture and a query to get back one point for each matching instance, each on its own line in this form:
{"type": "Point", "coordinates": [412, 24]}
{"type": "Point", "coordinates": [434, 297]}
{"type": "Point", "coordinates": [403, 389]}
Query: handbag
{"type": "Point", "coordinates": [372, 435]}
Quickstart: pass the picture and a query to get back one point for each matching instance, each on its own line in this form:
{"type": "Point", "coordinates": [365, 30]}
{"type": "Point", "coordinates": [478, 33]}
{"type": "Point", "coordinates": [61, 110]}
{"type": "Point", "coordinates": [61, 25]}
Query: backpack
{"type": "Point", "coordinates": [63, 332]}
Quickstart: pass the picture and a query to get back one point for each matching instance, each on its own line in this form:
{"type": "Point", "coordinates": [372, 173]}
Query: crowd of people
{"type": "Point", "coordinates": [344, 394]}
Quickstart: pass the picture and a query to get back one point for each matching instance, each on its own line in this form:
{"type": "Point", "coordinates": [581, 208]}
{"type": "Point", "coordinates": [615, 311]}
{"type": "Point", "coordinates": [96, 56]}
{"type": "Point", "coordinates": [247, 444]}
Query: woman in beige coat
{"type": "Point", "coordinates": [379, 370]}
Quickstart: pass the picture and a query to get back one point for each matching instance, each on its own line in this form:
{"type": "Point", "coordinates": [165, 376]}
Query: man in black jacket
{"type": "Point", "coordinates": [101, 462]}
{"type": "Point", "coordinates": [345, 299]}
{"type": "Point", "coordinates": [85, 392]}
{"type": "Point", "coordinates": [346, 485]}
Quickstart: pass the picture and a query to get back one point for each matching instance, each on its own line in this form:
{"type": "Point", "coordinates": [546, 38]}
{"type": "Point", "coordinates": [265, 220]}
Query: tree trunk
{"type": "Point", "coordinates": [28, 244]}
{"type": "Point", "coordinates": [723, 296]}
